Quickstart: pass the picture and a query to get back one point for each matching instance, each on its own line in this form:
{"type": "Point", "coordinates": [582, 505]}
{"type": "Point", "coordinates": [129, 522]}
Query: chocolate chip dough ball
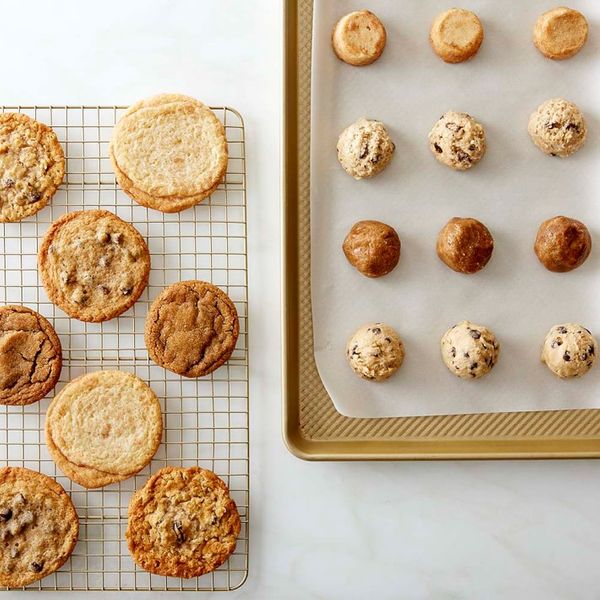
{"type": "Point", "coordinates": [569, 350]}
{"type": "Point", "coordinates": [562, 244]}
{"type": "Point", "coordinates": [372, 247]}
{"type": "Point", "coordinates": [465, 245]}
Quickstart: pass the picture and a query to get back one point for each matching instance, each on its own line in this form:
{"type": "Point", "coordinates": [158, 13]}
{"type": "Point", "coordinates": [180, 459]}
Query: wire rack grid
{"type": "Point", "coordinates": [206, 419]}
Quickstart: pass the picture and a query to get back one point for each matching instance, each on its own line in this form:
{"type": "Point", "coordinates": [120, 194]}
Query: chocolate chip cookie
{"type": "Point", "coordinates": [30, 356]}
{"type": "Point", "coordinates": [182, 523]}
{"type": "Point", "coordinates": [93, 265]}
{"type": "Point", "coordinates": [569, 350]}
{"type": "Point", "coordinates": [38, 526]}
{"type": "Point", "coordinates": [32, 166]}
{"type": "Point", "coordinates": [191, 328]}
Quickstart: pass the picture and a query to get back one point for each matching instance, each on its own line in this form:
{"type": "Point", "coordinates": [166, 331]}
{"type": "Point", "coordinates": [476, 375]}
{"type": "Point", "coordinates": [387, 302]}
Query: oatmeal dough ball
{"type": "Point", "coordinates": [557, 127]}
{"type": "Point", "coordinates": [560, 33]}
{"type": "Point", "coordinates": [375, 352]}
{"type": "Point", "coordinates": [457, 140]}
{"type": "Point", "coordinates": [569, 350]}
{"type": "Point", "coordinates": [465, 245]}
{"type": "Point", "coordinates": [456, 35]}
{"type": "Point", "coordinates": [372, 248]}
{"type": "Point", "coordinates": [359, 38]}
{"type": "Point", "coordinates": [365, 148]}
{"type": "Point", "coordinates": [562, 244]}
{"type": "Point", "coordinates": [469, 350]}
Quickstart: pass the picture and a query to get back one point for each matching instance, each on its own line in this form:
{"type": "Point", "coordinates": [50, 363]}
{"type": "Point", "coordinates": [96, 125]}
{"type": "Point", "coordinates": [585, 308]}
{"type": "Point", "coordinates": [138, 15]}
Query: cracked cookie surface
{"type": "Point", "coordinates": [103, 427]}
{"type": "Point", "coordinates": [38, 526]}
{"type": "Point", "coordinates": [191, 328]}
{"type": "Point", "coordinates": [93, 265]}
{"type": "Point", "coordinates": [30, 356]}
{"type": "Point", "coordinates": [32, 166]}
{"type": "Point", "coordinates": [182, 523]}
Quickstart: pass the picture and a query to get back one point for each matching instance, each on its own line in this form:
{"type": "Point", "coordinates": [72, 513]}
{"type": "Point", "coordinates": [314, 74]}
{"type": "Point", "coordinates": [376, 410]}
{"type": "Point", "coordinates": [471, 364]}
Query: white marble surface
{"type": "Point", "coordinates": [519, 530]}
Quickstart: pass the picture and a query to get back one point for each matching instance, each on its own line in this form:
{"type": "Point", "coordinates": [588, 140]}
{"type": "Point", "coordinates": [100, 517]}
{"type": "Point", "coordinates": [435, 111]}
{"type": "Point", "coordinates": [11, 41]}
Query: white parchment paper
{"type": "Point", "coordinates": [512, 190]}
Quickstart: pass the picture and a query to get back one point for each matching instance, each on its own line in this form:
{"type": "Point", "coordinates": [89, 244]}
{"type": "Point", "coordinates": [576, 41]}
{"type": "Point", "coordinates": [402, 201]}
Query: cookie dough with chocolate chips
{"type": "Point", "coordinates": [465, 245]}
{"type": "Point", "coordinates": [93, 265]}
{"type": "Point", "coordinates": [557, 127]}
{"type": "Point", "coordinates": [365, 148]}
{"type": "Point", "coordinates": [470, 351]}
{"type": "Point", "coordinates": [372, 247]}
{"type": "Point", "coordinates": [569, 350]}
{"type": "Point", "coordinates": [375, 351]}
{"type": "Point", "coordinates": [359, 38]}
{"type": "Point", "coordinates": [562, 244]}
{"type": "Point", "coordinates": [457, 140]}
{"type": "Point", "coordinates": [560, 33]}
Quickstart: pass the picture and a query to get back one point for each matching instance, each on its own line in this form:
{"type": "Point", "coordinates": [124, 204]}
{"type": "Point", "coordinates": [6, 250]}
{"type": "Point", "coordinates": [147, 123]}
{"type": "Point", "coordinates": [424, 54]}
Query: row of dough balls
{"type": "Point", "coordinates": [359, 38]}
{"type": "Point", "coordinates": [470, 351]}
{"type": "Point", "coordinates": [557, 127]}
{"type": "Point", "coordinates": [465, 245]}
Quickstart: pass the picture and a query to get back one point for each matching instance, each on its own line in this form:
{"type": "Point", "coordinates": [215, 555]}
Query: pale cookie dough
{"type": "Point", "coordinates": [469, 351]}
{"type": "Point", "coordinates": [457, 140]}
{"type": "Point", "coordinates": [560, 33]}
{"type": "Point", "coordinates": [359, 38]}
{"type": "Point", "coordinates": [569, 350]}
{"type": "Point", "coordinates": [456, 35]}
{"type": "Point", "coordinates": [557, 127]}
{"type": "Point", "coordinates": [375, 352]}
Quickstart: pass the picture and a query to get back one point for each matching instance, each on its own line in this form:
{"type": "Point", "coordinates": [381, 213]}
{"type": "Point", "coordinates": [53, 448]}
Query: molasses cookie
{"type": "Point", "coordinates": [465, 245]}
{"type": "Point", "coordinates": [562, 244]}
{"type": "Point", "coordinates": [372, 248]}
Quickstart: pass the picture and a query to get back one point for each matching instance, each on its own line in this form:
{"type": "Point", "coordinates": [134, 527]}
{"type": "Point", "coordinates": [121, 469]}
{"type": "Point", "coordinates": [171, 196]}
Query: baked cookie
{"type": "Point", "coordinates": [32, 166]}
{"type": "Point", "coordinates": [557, 127]}
{"type": "Point", "coordinates": [169, 152]}
{"type": "Point", "coordinates": [103, 427]}
{"type": "Point", "coordinates": [560, 33]}
{"type": "Point", "coordinates": [191, 328]}
{"type": "Point", "coordinates": [375, 351]}
{"type": "Point", "coordinates": [469, 351]}
{"type": "Point", "coordinates": [38, 526]}
{"type": "Point", "coordinates": [365, 148]}
{"type": "Point", "coordinates": [359, 38]}
{"type": "Point", "coordinates": [93, 265]}
{"type": "Point", "coordinates": [372, 248]}
{"type": "Point", "coordinates": [562, 244]}
{"type": "Point", "coordinates": [182, 523]}
{"type": "Point", "coordinates": [569, 350]}
{"type": "Point", "coordinates": [465, 245]}
{"type": "Point", "coordinates": [456, 35]}
{"type": "Point", "coordinates": [30, 356]}
{"type": "Point", "coordinates": [457, 141]}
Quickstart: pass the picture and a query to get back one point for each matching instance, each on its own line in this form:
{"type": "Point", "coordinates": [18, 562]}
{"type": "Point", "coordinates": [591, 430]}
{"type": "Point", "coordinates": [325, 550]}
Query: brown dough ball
{"type": "Point", "coordinates": [465, 245]}
{"type": "Point", "coordinates": [562, 244]}
{"type": "Point", "coordinates": [372, 247]}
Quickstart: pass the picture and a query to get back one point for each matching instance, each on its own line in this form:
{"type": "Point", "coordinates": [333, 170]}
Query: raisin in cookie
{"type": "Point", "coordinates": [365, 148]}
{"type": "Point", "coordinates": [560, 33]}
{"type": "Point", "coordinates": [169, 152]}
{"type": "Point", "coordinates": [38, 526]}
{"type": "Point", "coordinates": [103, 427]}
{"type": "Point", "coordinates": [457, 141]}
{"type": "Point", "coordinates": [93, 265]}
{"type": "Point", "coordinates": [372, 248]}
{"type": "Point", "coordinates": [569, 350]}
{"type": "Point", "coordinates": [562, 244]}
{"type": "Point", "coordinates": [375, 351]}
{"type": "Point", "coordinates": [191, 328]}
{"type": "Point", "coordinates": [557, 127]}
{"type": "Point", "coordinates": [182, 523]}
{"type": "Point", "coordinates": [469, 351]}
{"type": "Point", "coordinates": [359, 38]}
{"type": "Point", "coordinates": [465, 245]}
{"type": "Point", "coordinates": [456, 35]}
{"type": "Point", "coordinates": [30, 356]}
{"type": "Point", "coordinates": [32, 166]}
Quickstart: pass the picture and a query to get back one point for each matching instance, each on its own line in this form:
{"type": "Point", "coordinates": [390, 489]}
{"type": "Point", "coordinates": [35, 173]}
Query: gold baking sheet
{"type": "Point", "coordinates": [312, 428]}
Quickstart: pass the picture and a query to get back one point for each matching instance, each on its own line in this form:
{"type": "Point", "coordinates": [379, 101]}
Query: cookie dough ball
{"type": "Point", "coordinates": [465, 245]}
{"type": "Point", "coordinates": [365, 148]}
{"type": "Point", "coordinates": [457, 140]}
{"type": "Point", "coordinates": [557, 127]}
{"type": "Point", "coordinates": [469, 350]}
{"type": "Point", "coordinates": [569, 350]}
{"type": "Point", "coordinates": [372, 247]}
{"type": "Point", "coordinates": [375, 352]}
{"type": "Point", "coordinates": [562, 244]}
{"type": "Point", "coordinates": [456, 35]}
{"type": "Point", "coordinates": [560, 33]}
{"type": "Point", "coordinates": [359, 38]}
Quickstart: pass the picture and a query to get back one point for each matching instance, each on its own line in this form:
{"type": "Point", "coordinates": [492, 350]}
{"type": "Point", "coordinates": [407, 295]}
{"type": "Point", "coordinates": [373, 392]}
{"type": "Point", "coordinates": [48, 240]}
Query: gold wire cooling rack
{"type": "Point", "coordinates": [205, 420]}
